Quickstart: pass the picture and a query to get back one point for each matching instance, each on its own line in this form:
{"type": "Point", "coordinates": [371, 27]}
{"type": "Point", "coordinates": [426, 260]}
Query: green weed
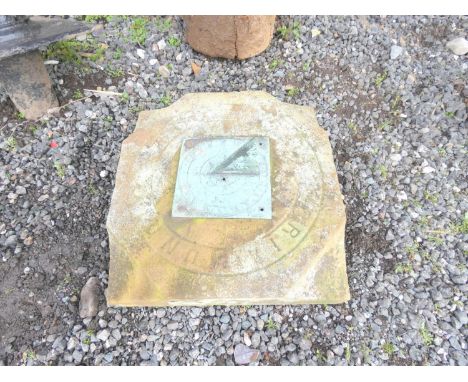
{"type": "Point", "coordinates": [462, 227]}
{"type": "Point", "coordinates": [433, 198]}
{"type": "Point", "coordinates": [124, 97]}
{"type": "Point", "coordinates": [73, 50]}
{"type": "Point", "coordinates": [286, 31]}
{"type": "Point", "coordinates": [33, 129]}
{"type": "Point", "coordinates": [293, 92]}
{"type": "Point", "coordinates": [163, 25]}
{"type": "Point", "coordinates": [97, 18]}
{"type": "Point", "coordinates": [380, 78]}
{"type": "Point", "coordinates": [426, 336]}
{"type": "Point", "coordinates": [59, 169]}
{"type": "Point", "coordinates": [77, 94]}
{"type": "Point", "coordinates": [384, 125]}
{"type": "Point", "coordinates": [165, 100]}
{"type": "Point", "coordinates": [173, 41]}
{"type": "Point", "coordinates": [436, 240]}
{"type": "Point", "coordinates": [138, 31]}
{"type": "Point", "coordinates": [117, 54]}
{"type": "Point", "coordinates": [352, 126]}
{"type": "Point", "coordinates": [348, 354]}
{"type": "Point", "coordinates": [272, 325]}
{"type": "Point", "coordinates": [403, 268]}
{"type": "Point", "coordinates": [388, 348]}
{"type": "Point", "coordinates": [274, 64]}
{"type": "Point", "coordinates": [320, 355]}
{"type": "Point", "coordinates": [450, 114]}
{"type": "Point", "coordinates": [12, 144]}
{"type": "Point", "coordinates": [114, 72]}
{"type": "Point", "coordinates": [383, 170]}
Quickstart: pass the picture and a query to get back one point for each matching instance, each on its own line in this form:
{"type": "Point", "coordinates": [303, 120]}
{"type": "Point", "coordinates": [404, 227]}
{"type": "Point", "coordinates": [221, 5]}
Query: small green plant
{"type": "Point", "coordinates": [380, 78]}
{"type": "Point", "coordinates": [114, 72]}
{"type": "Point", "coordinates": [436, 266]}
{"type": "Point", "coordinates": [403, 268]}
{"type": "Point", "coordinates": [306, 66]}
{"type": "Point", "coordinates": [394, 105]}
{"type": "Point", "coordinates": [286, 31]}
{"type": "Point", "coordinates": [163, 25]}
{"type": "Point", "coordinates": [320, 355]}
{"type": "Point", "coordinates": [165, 100]}
{"type": "Point", "coordinates": [423, 221]}
{"type": "Point", "coordinates": [117, 55]}
{"type": "Point", "coordinates": [92, 189]}
{"type": "Point", "coordinates": [33, 129]}
{"type": "Point", "coordinates": [388, 348]}
{"type": "Point", "coordinates": [272, 325]}
{"type": "Point", "coordinates": [97, 18]}
{"type": "Point", "coordinates": [73, 50]}
{"type": "Point", "coordinates": [108, 118]}
{"type": "Point", "coordinates": [124, 97]}
{"type": "Point", "coordinates": [293, 92]}
{"type": "Point", "coordinates": [87, 341]}
{"type": "Point", "coordinates": [352, 126]}
{"type": "Point", "coordinates": [458, 303]}
{"type": "Point", "coordinates": [462, 227]}
{"type": "Point", "coordinates": [437, 309]}
{"type": "Point", "coordinates": [348, 353]}
{"type": "Point", "coordinates": [384, 125]}
{"type": "Point", "coordinates": [274, 64]}
{"type": "Point", "coordinates": [173, 41]}
{"type": "Point", "coordinates": [77, 94]}
{"type": "Point", "coordinates": [20, 115]}
{"type": "Point", "coordinates": [135, 109]}
{"type": "Point", "coordinates": [383, 170]}
{"type": "Point", "coordinates": [450, 114]}
{"type": "Point", "coordinates": [436, 240]}
{"type": "Point", "coordinates": [12, 144]}
{"type": "Point", "coordinates": [90, 332]}
{"type": "Point", "coordinates": [433, 198]}
{"type": "Point", "coordinates": [426, 336]}
{"type": "Point", "coordinates": [412, 249]}
{"type": "Point", "coordinates": [442, 152]}
{"type": "Point", "coordinates": [138, 31]}
{"type": "Point", "coordinates": [59, 169]}
{"type": "Point", "coordinates": [29, 355]}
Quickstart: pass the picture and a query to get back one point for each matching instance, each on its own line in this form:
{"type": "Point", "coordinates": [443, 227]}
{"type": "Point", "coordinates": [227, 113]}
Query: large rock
{"type": "Point", "coordinates": [229, 36]}
{"type": "Point", "coordinates": [296, 257]}
{"type": "Point", "coordinates": [26, 81]}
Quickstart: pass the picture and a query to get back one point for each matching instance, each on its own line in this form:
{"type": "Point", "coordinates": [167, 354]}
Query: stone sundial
{"type": "Point", "coordinates": [227, 198]}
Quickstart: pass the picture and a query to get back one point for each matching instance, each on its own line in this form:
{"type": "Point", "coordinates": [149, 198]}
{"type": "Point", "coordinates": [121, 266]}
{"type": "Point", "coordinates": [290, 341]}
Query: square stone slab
{"type": "Point", "coordinates": [223, 177]}
{"type": "Point", "coordinates": [296, 257]}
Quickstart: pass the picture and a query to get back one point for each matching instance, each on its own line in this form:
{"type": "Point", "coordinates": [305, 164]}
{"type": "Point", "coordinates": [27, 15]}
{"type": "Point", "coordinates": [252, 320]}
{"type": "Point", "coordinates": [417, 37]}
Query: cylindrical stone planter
{"type": "Point", "coordinates": [229, 36]}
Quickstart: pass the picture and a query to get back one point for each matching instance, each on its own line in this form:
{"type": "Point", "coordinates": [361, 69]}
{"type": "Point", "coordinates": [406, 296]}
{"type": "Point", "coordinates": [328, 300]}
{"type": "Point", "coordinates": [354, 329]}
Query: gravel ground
{"type": "Point", "coordinates": [393, 98]}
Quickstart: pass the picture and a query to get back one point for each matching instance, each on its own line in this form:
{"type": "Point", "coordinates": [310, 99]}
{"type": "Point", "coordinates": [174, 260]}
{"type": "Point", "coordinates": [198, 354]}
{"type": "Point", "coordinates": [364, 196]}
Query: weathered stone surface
{"type": "Point", "coordinates": [89, 298]}
{"type": "Point", "coordinates": [297, 257]}
{"type": "Point", "coordinates": [229, 36]}
{"type": "Point", "coordinates": [27, 83]}
{"type": "Point", "coordinates": [20, 34]}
